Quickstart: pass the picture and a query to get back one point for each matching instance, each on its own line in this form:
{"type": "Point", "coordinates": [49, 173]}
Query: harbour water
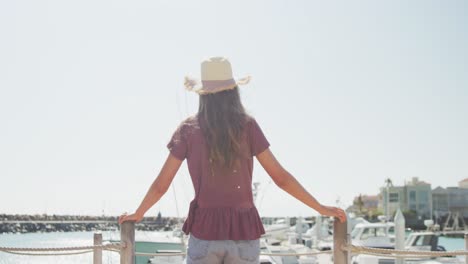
{"type": "Point", "coordinates": [67, 239]}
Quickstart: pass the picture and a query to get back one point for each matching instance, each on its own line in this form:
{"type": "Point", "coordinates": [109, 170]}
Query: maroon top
{"type": "Point", "coordinates": [223, 207]}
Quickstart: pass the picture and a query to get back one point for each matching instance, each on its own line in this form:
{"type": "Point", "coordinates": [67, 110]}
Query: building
{"type": "Point", "coordinates": [414, 196]}
{"type": "Point", "coordinates": [451, 199]}
{"type": "Point", "coordinates": [440, 201]}
{"type": "Point", "coordinates": [463, 183]}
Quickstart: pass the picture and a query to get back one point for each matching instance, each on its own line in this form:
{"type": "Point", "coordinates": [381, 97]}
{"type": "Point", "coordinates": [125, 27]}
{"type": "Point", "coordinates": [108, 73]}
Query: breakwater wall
{"type": "Point", "coordinates": [67, 223]}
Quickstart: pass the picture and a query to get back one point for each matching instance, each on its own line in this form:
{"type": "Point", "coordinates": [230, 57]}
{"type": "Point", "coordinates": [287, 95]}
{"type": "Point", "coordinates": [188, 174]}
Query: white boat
{"type": "Point", "coordinates": [278, 230]}
{"type": "Point", "coordinates": [288, 246]}
{"type": "Point", "coordinates": [420, 241]}
{"type": "Point", "coordinates": [321, 234]}
{"type": "Point", "coordinates": [296, 239]}
{"type": "Point", "coordinates": [158, 242]}
{"type": "Point", "coordinates": [171, 242]}
{"type": "Point", "coordinates": [377, 235]}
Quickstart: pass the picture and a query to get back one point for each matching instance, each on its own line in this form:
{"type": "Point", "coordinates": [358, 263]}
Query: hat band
{"type": "Point", "coordinates": [213, 86]}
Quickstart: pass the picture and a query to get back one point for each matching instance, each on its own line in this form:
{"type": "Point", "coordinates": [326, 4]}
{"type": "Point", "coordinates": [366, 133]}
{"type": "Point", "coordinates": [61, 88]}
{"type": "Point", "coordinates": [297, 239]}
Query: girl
{"type": "Point", "coordinates": [219, 144]}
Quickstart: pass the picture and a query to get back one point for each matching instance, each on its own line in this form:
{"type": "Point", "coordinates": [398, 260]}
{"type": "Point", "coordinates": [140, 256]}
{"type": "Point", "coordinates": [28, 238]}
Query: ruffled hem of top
{"type": "Point", "coordinates": [226, 224]}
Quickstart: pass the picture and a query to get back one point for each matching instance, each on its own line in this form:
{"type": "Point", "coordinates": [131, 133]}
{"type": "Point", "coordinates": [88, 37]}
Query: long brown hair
{"type": "Point", "coordinates": [222, 118]}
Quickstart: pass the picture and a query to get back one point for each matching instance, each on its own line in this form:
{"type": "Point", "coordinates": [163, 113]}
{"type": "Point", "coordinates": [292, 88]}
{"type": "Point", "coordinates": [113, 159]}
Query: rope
{"type": "Point", "coordinates": [159, 254]}
{"type": "Point", "coordinates": [263, 254]}
{"type": "Point", "coordinates": [298, 254]}
{"type": "Point", "coordinates": [402, 253]}
{"type": "Point", "coordinates": [115, 247]}
{"type": "Point", "coordinates": [399, 257]}
{"type": "Point", "coordinates": [48, 254]}
{"type": "Point", "coordinates": [80, 250]}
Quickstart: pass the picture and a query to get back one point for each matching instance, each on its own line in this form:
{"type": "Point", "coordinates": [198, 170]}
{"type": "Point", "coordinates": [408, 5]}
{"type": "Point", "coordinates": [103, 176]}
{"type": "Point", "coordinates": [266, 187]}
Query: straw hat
{"type": "Point", "coordinates": [216, 76]}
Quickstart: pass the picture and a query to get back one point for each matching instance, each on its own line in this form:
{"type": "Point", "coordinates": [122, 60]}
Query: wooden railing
{"type": "Point", "coordinates": [342, 248]}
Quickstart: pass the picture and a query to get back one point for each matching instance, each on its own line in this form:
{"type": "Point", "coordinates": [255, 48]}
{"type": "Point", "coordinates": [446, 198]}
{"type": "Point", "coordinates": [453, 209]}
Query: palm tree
{"type": "Point", "coordinates": [360, 203]}
{"type": "Point", "coordinates": [388, 182]}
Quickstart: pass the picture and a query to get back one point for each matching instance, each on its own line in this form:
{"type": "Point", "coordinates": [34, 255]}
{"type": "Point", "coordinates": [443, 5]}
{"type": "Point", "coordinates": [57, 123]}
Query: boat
{"type": "Point", "coordinates": [299, 238]}
{"type": "Point", "coordinates": [292, 245]}
{"type": "Point", "coordinates": [377, 235]}
{"type": "Point", "coordinates": [420, 241]}
{"type": "Point", "coordinates": [164, 242]}
{"type": "Point", "coordinates": [320, 235]}
{"type": "Point", "coordinates": [278, 230]}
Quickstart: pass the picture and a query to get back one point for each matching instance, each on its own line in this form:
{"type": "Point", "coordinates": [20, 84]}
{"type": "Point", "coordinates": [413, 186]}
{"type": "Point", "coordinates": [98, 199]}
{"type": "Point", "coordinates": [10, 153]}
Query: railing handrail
{"type": "Point", "coordinates": [342, 252]}
{"type": "Point", "coordinates": [61, 249]}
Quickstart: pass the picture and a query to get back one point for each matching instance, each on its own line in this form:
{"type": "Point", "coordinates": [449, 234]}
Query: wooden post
{"type": "Point", "coordinates": [127, 238]}
{"type": "Point", "coordinates": [97, 252]}
{"type": "Point", "coordinates": [339, 239]}
{"type": "Point", "coordinates": [466, 247]}
{"type": "Point", "coordinates": [348, 239]}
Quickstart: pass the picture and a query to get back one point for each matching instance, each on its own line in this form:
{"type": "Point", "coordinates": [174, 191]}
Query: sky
{"type": "Point", "coordinates": [348, 93]}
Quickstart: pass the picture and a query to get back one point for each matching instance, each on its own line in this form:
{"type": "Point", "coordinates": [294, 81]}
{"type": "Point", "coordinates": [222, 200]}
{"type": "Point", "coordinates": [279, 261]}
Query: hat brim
{"type": "Point", "coordinates": [209, 87]}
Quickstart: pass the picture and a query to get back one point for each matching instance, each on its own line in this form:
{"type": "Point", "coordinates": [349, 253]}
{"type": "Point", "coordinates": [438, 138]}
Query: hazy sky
{"type": "Point", "coordinates": [347, 92]}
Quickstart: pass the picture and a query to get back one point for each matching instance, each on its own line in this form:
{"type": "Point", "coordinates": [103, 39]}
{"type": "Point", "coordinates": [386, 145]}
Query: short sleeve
{"type": "Point", "coordinates": [178, 144]}
{"type": "Point", "coordinates": [258, 141]}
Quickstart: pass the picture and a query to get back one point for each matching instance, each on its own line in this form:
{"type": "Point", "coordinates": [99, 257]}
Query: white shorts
{"type": "Point", "coordinates": [222, 251]}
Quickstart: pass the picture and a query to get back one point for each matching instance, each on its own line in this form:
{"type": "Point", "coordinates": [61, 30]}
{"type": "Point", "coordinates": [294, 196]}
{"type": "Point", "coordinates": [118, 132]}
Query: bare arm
{"type": "Point", "coordinates": [157, 190]}
{"type": "Point", "coordinates": [288, 183]}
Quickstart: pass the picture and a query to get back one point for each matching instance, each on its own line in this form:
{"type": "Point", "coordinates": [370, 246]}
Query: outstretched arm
{"type": "Point", "coordinates": [157, 190]}
{"type": "Point", "coordinates": [288, 183]}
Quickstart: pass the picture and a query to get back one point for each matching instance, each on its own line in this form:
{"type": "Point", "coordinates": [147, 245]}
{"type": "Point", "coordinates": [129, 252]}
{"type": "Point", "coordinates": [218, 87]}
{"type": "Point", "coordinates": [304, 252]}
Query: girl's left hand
{"type": "Point", "coordinates": [131, 217]}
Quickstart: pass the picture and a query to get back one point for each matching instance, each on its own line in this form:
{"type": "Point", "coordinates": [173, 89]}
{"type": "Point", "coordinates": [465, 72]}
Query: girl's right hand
{"type": "Point", "coordinates": [334, 212]}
